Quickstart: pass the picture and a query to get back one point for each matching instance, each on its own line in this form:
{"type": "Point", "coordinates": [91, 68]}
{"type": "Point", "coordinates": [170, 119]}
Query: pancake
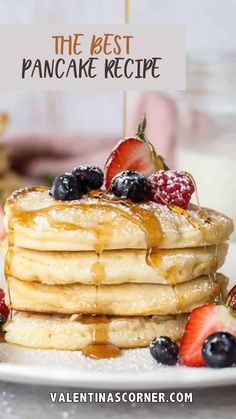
{"type": "Point", "coordinates": [115, 266]}
{"type": "Point", "coordinates": [59, 332]}
{"type": "Point", "coordinates": [102, 222]}
{"type": "Point", "coordinates": [119, 300]}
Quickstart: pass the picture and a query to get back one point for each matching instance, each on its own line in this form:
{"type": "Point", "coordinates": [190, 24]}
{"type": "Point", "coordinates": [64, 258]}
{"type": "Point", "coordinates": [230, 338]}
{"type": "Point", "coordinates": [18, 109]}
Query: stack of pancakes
{"type": "Point", "coordinates": [101, 270]}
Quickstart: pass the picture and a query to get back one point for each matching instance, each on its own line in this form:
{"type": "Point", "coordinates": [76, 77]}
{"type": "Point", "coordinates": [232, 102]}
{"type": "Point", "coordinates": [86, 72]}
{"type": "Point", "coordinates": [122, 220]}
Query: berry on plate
{"type": "Point", "coordinates": [130, 185]}
{"type": "Point", "coordinates": [4, 310]}
{"type": "Point", "coordinates": [65, 188]}
{"type": "Point", "coordinates": [164, 350]}
{"type": "Point", "coordinates": [202, 322]}
{"type": "Point", "coordinates": [231, 298]}
{"type": "Point", "coordinates": [89, 177]}
{"type": "Point", "coordinates": [219, 350]}
{"type": "Point", "coordinates": [133, 153]}
{"type": "Point", "coordinates": [171, 187]}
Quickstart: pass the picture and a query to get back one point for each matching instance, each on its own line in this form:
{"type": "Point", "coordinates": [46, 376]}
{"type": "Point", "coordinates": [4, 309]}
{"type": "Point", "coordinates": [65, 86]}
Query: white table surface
{"type": "Point", "coordinates": [33, 402]}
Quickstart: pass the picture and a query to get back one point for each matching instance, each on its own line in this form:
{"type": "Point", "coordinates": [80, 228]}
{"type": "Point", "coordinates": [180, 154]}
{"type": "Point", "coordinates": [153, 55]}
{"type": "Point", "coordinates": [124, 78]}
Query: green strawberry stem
{"type": "Point", "coordinates": [218, 301]}
{"type": "Point", "coordinates": [165, 167]}
{"type": "Point", "coordinates": [141, 129]}
{"type": "Point", "coordinates": [141, 134]}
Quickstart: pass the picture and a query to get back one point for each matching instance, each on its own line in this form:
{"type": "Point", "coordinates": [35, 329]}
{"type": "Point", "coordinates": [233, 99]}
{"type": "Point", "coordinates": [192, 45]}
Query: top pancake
{"type": "Point", "coordinates": [99, 222]}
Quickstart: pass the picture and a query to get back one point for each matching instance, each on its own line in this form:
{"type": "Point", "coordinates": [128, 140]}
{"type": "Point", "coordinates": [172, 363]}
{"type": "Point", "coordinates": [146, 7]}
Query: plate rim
{"type": "Point", "coordinates": [162, 378]}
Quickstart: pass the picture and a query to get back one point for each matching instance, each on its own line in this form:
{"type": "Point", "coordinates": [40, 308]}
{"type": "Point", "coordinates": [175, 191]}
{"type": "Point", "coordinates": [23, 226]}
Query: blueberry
{"type": "Point", "coordinates": [65, 188]}
{"type": "Point", "coordinates": [219, 350]}
{"type": "Point", "coordinates": [2, 320]}
{"type": "Point", "coordinates": [164, 350]}
{"type": "Point", "coordinates": [131, 185]}
{"type": "Point", "coordinates": [89, 177]}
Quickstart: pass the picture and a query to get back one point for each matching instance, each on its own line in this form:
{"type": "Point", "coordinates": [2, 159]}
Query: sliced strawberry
{"type": "Point", "coordinates": [133, 153]}
{"type": "Point", "coordinates": [203, 321]}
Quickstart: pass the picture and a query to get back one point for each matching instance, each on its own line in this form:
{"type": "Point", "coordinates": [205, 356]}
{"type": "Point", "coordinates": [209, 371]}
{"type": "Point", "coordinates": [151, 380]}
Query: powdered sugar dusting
{"type": "Point", "coordinates": [130, 361]}
{"type": "Point", "coordinates": [177, 230]}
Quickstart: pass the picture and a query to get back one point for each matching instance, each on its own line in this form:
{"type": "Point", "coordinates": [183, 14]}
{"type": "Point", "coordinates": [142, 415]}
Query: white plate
{"type": "Point", "coordinates": [135, 369]}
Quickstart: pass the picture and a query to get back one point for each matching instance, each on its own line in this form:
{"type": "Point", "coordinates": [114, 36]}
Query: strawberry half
{"type": "Point", "coordinates": [202, 322]}
{"type": "Point", "coordinates": [133, 153]}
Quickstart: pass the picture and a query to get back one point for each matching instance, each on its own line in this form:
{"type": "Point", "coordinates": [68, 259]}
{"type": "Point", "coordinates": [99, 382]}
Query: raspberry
{"type": "Point", "coordinates": [171, 188]}
{"type": "Point", "coordinates": [231, 298]}
{"type": "Point", "coordinates": [4, 310]}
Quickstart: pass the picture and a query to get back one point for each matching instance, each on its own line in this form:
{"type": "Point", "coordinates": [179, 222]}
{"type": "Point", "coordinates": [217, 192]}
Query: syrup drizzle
{"type": "Point", "coordinates": [98, 271]}
{"type": "Point", "coordinates": [154, 257]}
{"type": "Point", "coordinates": [100, 348]}
{"type": "Point", "coordinates": [133, 212]}
{"type": "Point", "coordinates": [191, 219]}
{"type": "Point", "coordinates": [207, 219]}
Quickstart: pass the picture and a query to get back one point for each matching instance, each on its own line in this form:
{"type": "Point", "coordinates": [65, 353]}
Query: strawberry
{"type": "Point", "coordinates": [202, 322]}
{"type": "Point", "coordinates": [133, 153]}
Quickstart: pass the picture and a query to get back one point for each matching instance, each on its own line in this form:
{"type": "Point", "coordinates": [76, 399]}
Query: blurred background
{"type": "Point", "coordinates": [46, 133]}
